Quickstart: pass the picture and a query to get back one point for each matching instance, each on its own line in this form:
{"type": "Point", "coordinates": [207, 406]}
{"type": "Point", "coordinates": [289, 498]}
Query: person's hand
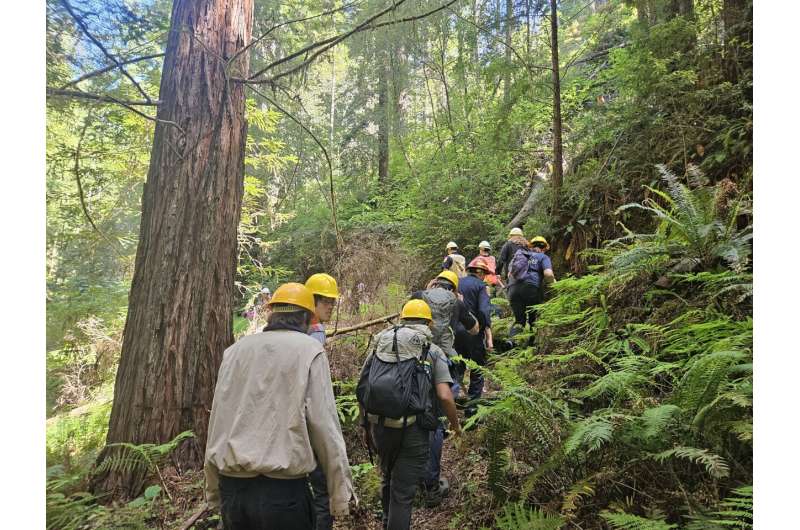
{"type": "Point", "coordinates": [490, 346]}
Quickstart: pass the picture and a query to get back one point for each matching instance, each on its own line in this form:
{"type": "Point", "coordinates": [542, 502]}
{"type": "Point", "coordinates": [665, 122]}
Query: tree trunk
{"type": "Point", "coordinates": [558, 155]}
{"type": "Point", "coordinates": [737, 19]}
{"type": "Point", "coordinates": [509, 27]}
{"type": "Point", "coordinates": [180, 305]}
{"type": "Point", "coordinates": [383, 123]}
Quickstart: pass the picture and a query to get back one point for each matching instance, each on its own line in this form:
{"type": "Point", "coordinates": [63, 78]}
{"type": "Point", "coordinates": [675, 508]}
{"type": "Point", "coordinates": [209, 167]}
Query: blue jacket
{"type": "Point", "coordinates": [476, 299]}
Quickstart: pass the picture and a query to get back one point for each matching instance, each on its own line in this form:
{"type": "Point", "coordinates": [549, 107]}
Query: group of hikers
{"type": "Point", "coordinates": [275, 455]}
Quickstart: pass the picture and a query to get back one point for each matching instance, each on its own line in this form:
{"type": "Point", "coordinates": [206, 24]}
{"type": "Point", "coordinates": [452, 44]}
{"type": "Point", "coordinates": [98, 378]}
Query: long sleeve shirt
{"type": "Point", "coordinates": [476, 299]}
{"type": "Point", "coordinates": [273, 411]}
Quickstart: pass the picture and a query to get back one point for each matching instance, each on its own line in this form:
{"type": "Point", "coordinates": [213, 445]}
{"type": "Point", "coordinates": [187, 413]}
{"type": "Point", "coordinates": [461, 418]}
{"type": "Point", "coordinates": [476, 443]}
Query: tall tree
{"type": "Point", "coordinates": [180, 307]}
{"type": "Point", "coordinates": [558, 151]}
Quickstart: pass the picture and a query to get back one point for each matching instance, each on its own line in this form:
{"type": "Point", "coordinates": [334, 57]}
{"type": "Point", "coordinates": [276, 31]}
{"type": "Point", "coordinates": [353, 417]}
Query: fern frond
{"type": "Point", "coordinates": [626, 521]}
{"type": "Point", "coordinates": [656, 419]}
{"type": "Point", "coordinates": [517, 516]}
{"type": "Point", "coordinates": [591, 433]}
{"type": "Point", "coordinates": [715, 465]}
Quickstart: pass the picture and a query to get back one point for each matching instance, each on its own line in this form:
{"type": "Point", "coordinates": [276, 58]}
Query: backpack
{"type": "Point", "coordinates": [399, 389]}
{"type": "Point", "coordinates": [459, 265]}
{"type": "Point", "coordinates": [526, 267]}
{"type": "Point", "coordinates": [442, 303]}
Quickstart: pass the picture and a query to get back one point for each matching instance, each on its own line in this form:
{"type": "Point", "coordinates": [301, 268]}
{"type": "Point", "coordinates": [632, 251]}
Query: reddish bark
{"type": "Point", "coordinates": [180, 307]}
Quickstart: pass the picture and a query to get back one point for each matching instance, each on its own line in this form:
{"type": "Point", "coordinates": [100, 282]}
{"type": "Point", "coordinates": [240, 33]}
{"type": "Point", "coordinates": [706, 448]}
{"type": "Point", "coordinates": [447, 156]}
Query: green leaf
{"type": "Point", "coordinates": [152, 492]}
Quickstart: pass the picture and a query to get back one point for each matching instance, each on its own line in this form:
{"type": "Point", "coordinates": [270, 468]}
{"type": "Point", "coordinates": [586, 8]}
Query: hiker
{"type": "Point", "coordinates": [448, 313]}
{"type": "Point", "coordinates": [273, 411]}
{"type": "Point", "coordinates": [326, 292]}
{"type": "Point", "coordinates": [491, 279]}
{"type": "Point", "coordinates": [454, 261]}
{"type": "Point", "coordinates": [528, 271]}
{"type": "Point", "coordinates": [515, 242]}
{"type": "Point", "coordinates": [398, 425]}
{"type": "Point", "coordinates": [259, 304]}
{"type": "Point", "coordinates": [473, 290]}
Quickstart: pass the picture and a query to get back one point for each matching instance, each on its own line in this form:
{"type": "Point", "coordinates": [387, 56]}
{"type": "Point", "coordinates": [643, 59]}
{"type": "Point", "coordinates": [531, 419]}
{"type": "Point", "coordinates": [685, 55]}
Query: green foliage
{"type": "Point", "coordinates": [124, 457]}
{"type": "Point", "coordinates": [714, 464]}
{"type": "Point", "coordinates": [73, 440]}
{"type": "Point", "coordinates": [518, 516]}
{"type": "Point", "coordinates": [626, 521]}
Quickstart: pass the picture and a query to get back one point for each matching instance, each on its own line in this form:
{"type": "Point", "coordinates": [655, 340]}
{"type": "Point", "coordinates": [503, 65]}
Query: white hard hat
{"type": "Point", "coordinates": [451, 244]}
{"type": "Point", "coordinates": [484, 244]}
{"type": "Point", "coordinates": [266, 290]}
{"type": "Point", "coordinates": [516, 231]}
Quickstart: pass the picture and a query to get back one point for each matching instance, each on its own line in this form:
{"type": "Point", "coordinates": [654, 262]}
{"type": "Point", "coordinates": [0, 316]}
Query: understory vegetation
{"type": "Point", "coordinates": [629, 406]}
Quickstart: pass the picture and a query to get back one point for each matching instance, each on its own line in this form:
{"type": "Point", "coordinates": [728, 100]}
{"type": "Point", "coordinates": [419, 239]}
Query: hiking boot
{"type": "Point", "coordinates": [435, 495]}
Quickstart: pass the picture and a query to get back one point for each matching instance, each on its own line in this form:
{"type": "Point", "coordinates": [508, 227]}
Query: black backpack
{"type": "Point", "coordinates": [399, 389]}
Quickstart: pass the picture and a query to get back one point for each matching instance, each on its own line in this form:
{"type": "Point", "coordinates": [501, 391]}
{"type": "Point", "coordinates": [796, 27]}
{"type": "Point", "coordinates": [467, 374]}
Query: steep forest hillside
{"type": "Point", "coordinates": [358, 139]}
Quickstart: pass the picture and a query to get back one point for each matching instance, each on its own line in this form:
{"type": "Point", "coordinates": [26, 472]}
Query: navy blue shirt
{"type": "Point", "coordinates": [476, 299]}
{"type": "Point", "coordinates": [539, 261]}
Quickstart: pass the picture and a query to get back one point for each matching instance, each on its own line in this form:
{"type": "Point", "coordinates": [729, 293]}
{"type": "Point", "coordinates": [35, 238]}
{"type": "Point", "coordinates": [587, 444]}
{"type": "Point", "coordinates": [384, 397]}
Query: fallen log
{"type": "Point", "coordinates": [362, 325]}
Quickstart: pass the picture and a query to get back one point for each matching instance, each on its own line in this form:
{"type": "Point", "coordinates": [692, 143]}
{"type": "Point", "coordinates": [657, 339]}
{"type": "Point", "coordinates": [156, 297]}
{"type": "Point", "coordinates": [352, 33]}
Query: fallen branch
{"type": "Point", "coordinates": [193, 519]}
{"type": "Point", "coordinates": [340, 331]}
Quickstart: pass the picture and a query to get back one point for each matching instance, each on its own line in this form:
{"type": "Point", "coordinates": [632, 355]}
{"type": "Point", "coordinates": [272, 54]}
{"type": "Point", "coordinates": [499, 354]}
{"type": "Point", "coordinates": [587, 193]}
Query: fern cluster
{"type": "Point", "coordinates": [639, 389]}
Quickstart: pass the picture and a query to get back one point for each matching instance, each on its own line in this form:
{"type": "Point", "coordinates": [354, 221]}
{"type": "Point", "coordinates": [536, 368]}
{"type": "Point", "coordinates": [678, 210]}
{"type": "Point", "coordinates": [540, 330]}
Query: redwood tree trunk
{"type": "Point", "coordinates": [180, 306]}
{"type": "Point", "coordinates": [558, 151]}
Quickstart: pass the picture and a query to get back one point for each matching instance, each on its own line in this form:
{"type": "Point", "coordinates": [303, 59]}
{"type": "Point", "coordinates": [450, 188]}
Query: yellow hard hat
{"type": "Point", "coordinates": [416, 309]}
{"type": "Point", "coordinates": [450, 276]}
{"type": "Point", "coordinates": [516, 231]}
{"type": "Point", "coordinates": [295, 294]}
{"type": "Point", "coordinates": [323, 285]}
{"type": "Point", "coordinates": [540, 239]}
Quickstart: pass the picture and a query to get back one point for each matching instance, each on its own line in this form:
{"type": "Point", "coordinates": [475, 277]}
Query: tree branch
{"type": "Point", "coordinates": [330, 42]}
{"type": "Point", "coordinates": [288, 23]}
{"type": "Point", "coordinates": [97, 43]}
{"type": "Point", "coordinates": [324, 152]}
{"type": "Point", "coordinates": [97, 97]}
{"type": "Point", "coordinates": [101, 71]}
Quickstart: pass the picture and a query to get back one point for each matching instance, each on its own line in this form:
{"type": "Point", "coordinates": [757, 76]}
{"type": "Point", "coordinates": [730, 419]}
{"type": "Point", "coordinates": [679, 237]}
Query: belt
{"type": "Point", "coordinates": [395, 423]}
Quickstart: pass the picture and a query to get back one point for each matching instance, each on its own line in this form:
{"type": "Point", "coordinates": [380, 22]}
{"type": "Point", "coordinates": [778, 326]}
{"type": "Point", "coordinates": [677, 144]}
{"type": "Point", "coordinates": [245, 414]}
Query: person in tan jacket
{"type": "Point", "coordinates": [273, 411]}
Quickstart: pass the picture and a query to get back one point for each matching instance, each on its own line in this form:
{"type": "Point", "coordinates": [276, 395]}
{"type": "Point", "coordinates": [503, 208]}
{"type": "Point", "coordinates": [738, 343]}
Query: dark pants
{"type": "Point", "coordinates": [478, 354]}
{"type": "Point", "coordinates": [322, 504]}
{"type": "Point", "coordinates": [434, 468]}
{"type": "Point", "coordinates": [403, 457]}
{"type": "Point", "coordinates": [522, 296]}
{"type": "Point", "coordinates": [263, 503]}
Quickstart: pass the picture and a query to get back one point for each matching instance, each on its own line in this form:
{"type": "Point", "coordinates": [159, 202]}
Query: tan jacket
{"type": "Point", "coordinates": [273, 411]}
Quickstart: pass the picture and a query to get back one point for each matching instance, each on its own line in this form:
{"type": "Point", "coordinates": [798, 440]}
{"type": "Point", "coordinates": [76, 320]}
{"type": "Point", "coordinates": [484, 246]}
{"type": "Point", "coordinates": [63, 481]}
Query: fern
{"type": "Point", "coordinates": [626, 521]}
{"type": "Point", "coordinates": [737, 510]}
{"type": "Point", "coordinates": [591, 434]}
{"type": "Point", "coordinates": [715, 465]}
{"type": "Point", "coordinates": [131, 458]}
{"type": "Point", "coordinates": [699, 385]}
{"type": "Point", "coordinates": [517, 516]}
{"type": "Point", "coordinates": [655, 420]}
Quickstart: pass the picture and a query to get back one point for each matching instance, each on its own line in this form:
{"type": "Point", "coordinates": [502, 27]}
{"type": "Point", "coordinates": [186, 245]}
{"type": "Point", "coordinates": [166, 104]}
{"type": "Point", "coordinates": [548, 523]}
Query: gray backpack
{"type": "Point", "coordinates": [442, 303]}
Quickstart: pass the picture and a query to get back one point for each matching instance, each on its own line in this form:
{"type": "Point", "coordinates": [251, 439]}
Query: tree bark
{"type": "Point", "coordinates": [558, 154]}
{"type": "Point", "coordinates": [383, 122]}
{"type": "Point", "coordinates": [509, 27]}
{"type": "Point", "coordinates": [737, 20]}
{"type": "Point", "coordinates": [180, 306]}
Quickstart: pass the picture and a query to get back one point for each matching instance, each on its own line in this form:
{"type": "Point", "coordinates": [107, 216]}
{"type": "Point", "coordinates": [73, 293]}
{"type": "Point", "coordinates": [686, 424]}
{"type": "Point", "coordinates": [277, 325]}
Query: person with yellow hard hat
{"type": "Point", "coordinates": [260, 450]}
{"type": "Point", "coordinates": [449, 317]}
{"type": "Point", "coordinates": [399, 427]}
{"type": "Point", "coordinates": [326, 292]}
{"type": "Point", "coordinates": [529, 271]}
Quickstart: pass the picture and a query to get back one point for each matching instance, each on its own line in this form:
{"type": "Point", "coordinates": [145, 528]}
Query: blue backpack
{"type": "Point", "coordinates": [526, 266]}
